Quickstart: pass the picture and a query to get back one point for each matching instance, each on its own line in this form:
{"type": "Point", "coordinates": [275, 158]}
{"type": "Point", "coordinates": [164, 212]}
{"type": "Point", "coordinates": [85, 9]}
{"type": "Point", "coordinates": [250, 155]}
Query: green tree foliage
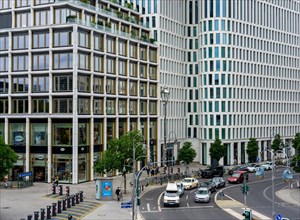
{"type": "Point", "coordinates": [277, 143]}
{"type": "Point", "coordinates": [187, 153]}
{"type": "Point", "coordinates": [252, 150]}
{"type": "Point", "coordinates": [296, 158]}
{"type": "Point", "coordinates": [217, 150]}
{"type": "Point", "coordinates": [7, 158]}
{"type": "Point", "coordinates": [120, 152]}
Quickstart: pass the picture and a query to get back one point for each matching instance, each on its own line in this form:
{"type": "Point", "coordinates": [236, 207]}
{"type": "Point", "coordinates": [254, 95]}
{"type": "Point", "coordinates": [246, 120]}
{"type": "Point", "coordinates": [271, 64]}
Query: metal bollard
{"type": "Point", "coordinates": [60, 190]}
{"type": "Point", "coordinates": [77, 198]}
{"type": "Point", "coordinates": [53, 209]}
{"type": "Point", "coordinates": [64, 206]}
{"type": "Point", "coordinates": [36, 215]}
{"type": "Point", "coordinates": [29, 217]}
{"type": "Point", "coordinates": [43, 217]}
{"type": "Point", "coordinates": [68, 202]}
{"type": "Point", "coordinates": [67, 190]}
{"type": "Point", "coordinates": [48, 212]}
{"type": "Point", "coordinates": [53, 189]}
{"type": "Point", "coordinates": [58, 206]}
{"type": "Point", "coordinates": [73, 200]}
{"type": "Point", "coordinates": [81, 196]}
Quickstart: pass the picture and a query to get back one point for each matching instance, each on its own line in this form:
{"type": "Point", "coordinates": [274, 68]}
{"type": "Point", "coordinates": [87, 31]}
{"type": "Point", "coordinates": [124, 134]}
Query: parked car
{"type": "Point", "coordinates": [268, 165]}
{"type": "Point", "coordinates": [252, 167]}
{"type": "Point", "coordinates": [180, 189]}
{"type": "Point", "coordinates": [233, 169]}
{"type": "Point", "coordinates": [212, 172]}
{"type": "Point", "coordinates": [190, 183]}
{"type": "Point", "coordinates": [210, 185]}
{"type": "Point", "coordinates": [219, 181]}
{"type": "Point", "coordinates": [238, 177]}
{"type": "Point", "coordinates": [202, 195]}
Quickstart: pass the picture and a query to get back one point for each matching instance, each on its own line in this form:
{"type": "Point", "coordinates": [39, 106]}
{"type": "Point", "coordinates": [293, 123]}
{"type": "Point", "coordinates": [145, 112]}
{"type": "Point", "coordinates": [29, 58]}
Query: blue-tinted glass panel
{"type": "Point", "coordinates": [216, 25]}
{"type": "Point", "coordinates": [217, 8]}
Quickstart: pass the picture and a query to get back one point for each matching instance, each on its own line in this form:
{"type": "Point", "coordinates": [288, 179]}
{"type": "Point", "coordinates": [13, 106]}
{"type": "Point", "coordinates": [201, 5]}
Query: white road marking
{"type": "Point", "coordinates": [233, 213]}
{"type": "Point", "coordinates": [260, 216]}
{"type": "Point", "coordinates": [158, 202]}
{"type": "Point", "coordinates": [187, 197]}
{"type": "Point", "coordinates": [187, 204]}
{"type": "Point", "coordinates": [148, 206]}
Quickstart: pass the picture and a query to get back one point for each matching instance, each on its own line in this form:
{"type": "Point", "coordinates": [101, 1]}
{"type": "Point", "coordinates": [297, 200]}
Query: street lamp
{"type": "Point", "coordinates": [175, 141]}
{"type": "Point", "coordinates": [286, 176]}
{"type": "Point", "coordinates": [165, 93]}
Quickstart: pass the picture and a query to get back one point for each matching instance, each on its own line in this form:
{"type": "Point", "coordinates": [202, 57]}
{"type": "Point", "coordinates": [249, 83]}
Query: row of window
{"type": "Point", "coordinates": [6, 4]}
{"type": "Point", "coordinates": [63, 105]}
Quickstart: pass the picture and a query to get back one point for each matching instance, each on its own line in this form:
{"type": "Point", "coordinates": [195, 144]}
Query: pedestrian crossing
{"type": "Point", "coordinates": [238, 214]}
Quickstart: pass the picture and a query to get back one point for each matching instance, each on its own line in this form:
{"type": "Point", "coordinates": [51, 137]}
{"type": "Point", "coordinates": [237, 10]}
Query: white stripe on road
{"type": "Point", "coordinates": [233, 213]}
{"type": "Point", "coordinates": [260, 216]}
{"type": "Point", "coordinates": [187, 204]}
{"type": "Point", "coordinates": [148, 206]}
{"type": "Point", "coordinates": [187, 197]}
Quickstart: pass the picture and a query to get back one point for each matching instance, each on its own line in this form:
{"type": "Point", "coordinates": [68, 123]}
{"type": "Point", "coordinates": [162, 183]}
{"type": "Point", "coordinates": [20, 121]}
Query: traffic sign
{"type": "Point", "coordinates": [125, 205]}
{"type": "Point", "coordinates": [278, 216]}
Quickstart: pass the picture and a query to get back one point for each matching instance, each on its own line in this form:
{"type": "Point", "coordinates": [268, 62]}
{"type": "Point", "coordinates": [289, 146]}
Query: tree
{"type": "Point", "coordinates": [296, 158]}
{"type": "Point", "coordinates": [7, 158]}
{"type": "Point", "coordinates": [187, 153]}
{"type": "Point", "coordinates": [252, 150]}
{"type": "Point", "coordinates": [277, 143]}
{"type": "Point", "coordinates": [217, 150]}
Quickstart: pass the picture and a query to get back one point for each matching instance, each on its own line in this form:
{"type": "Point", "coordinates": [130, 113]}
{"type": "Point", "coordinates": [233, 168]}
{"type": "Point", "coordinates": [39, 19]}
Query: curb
{"type": "Point", "coordinates": [281, 194]}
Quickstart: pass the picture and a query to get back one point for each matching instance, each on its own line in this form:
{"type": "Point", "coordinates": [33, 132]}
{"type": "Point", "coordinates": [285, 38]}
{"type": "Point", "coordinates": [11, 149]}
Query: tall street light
{"type": "Point", "coordinates": [286, 176]}
{"type": "Point", "coordinates": [170, 151]}
{"type": "Point", "coordinates": [165, 98]}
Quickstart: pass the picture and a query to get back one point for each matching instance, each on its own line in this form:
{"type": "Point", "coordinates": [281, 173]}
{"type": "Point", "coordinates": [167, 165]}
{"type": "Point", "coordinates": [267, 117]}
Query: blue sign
{"type": "Point", "coordinates": [106, 189]}
{"type": "Point", "coordinates": [278, 216]}
{"type": "Point", "coordinates": [25, 174]}
{"type": "Point", "coordinates": [125, 205]}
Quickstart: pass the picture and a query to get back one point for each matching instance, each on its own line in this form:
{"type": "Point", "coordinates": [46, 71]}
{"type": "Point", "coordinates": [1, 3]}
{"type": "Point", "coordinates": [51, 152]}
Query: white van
{"type": "Point", "coordinates": [171, 196]}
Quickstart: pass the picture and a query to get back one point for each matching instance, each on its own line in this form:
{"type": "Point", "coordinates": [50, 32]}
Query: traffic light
{"type": "Point", "coordinates": [245, 189]}
{"type": "Point", "coordinates": [247, 215]}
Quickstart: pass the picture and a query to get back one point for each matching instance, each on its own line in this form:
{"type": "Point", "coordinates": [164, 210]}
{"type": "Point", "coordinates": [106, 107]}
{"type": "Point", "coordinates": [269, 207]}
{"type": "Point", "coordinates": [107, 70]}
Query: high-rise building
{"type": "Point", "coordinates": [94, 69]}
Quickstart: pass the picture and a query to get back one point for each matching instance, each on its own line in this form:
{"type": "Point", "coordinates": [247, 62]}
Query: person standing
{"type": "Point", "coordinates": [118, 193]}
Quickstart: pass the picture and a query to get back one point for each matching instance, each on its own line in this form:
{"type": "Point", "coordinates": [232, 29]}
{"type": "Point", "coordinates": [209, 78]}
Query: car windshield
{"type": "Point", "coordinates": [170, 193]}
{"type": "Point", "coordinates": [205, 184]}
{"type": "Point", "coordinates": [216, 180]}
{"type": "Point", "coordinates": [202, 192]}
{"type": "Point", "coordinates": [236, 175]}
{"type": "Point", "coordinates": [186, 180]}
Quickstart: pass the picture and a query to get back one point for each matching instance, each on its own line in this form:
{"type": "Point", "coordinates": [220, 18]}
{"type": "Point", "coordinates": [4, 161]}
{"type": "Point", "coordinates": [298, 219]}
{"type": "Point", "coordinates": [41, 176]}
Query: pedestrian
{"type": "Point", "coordinates": [152, 172]}
{"type": "Point", "coordinates": [118, 193]}
{"type": "Point", "coordinates": [56, 180]}
{"type": "Point", "coordinates": [178, 170]}
{"type": "Point", "coordinates": [148, 171]}
{"type": "Point", "coordinates": [171, 170]}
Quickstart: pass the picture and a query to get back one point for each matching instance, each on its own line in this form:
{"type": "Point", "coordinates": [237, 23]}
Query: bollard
{"type": "Point", "coordinates": [53, 189]}
{"type": "Point", "coordinates": [64, 207]}
{"type": "Point", "coordinates": [73, 200]}
{"type": "Point", "coordinates": [77, 198]}
{"type": "Point", "coordinates": [53, 209]}
{"type": "Point", "coordinates": [58, 206]}
{"type": "Point", "coordinates": [81, 196]}
{"type": "Point", "coordinates": [43, 214]}
{"type": "Point", "coordinates": [48, 212]}
{"type": "Point", "coordinates": [68, 202]}
{"type": "Point", "coordinates": [67, 190]}
{"type": "Point", "coordinates": [29, 217]}
{"type": "Point", "coordinates": [36, 215]}
{"type": "Point", "coordinates": [60, 190]}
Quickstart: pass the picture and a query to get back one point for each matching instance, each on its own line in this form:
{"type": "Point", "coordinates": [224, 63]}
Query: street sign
{"type": "Point", "coordinates": [278, 216]}
{"type": "Point", "coordinates": [125, 205]}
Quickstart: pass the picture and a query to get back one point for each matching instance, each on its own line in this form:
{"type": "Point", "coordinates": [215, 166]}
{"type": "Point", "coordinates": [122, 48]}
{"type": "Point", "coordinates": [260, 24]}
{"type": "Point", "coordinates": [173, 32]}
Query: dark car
{"type": "Point", "coordinates": [210, 185]}
{"type": "Point", "coordinates": [233, 169]}
{"type": "Point", "coordinates": [212, 172]}
{"type": "Point", "coordinates": [219, 181]}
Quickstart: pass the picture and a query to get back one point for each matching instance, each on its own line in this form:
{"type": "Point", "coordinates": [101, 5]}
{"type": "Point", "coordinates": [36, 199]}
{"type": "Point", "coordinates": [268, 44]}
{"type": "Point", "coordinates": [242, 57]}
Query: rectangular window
{"type": "Point", "coordinates": [3, 42]}
{"type": "Point", "coordinates": [42, 18]}
{"type": "Point", "coordinates": [23, 19]}
{"type": "Point", "coordinates": [153, 72]}
{"type": "Point", "coordinates": [110, 86]}
{"type": "Point", "coordinates": [41, 2]}
{"type": "Point", "coordinates": [123, 67]}
{"type": "Point", "coordinates": [63, 60]}
{"type": "Point", "coordinates": [83, 61]}
{"type": "Point", "coordinates": [62, 38]}
{"type": "Point", "coordinates": [39, 134]}
{"type": "Point", "coordinates": [20, 84]}
{"type": "Point", "coordinates": [98, 42]}
{"type": "Point", "coordinates": [20, 62]}
{"type": "Point", "coordinates": [133, 69]}
{"type": "Point", "coordinates": [111, 45]}
{"type": "Point", "coordinates": [122, 87]}
{"type": "Point", "coordinates": [63, 83]}
{"type": "Point", "coordinates": [83, 83]}
{"type": "Point", "coordinates": [40, 61]}
{"type": "Point", "coordinates": [122, 107]}
{"type": "Point", "coordinates": [98, 85]}
{"type": "Point", "coordinates": [5, 4]}
{"type": "Point", "coordinates": [19, 106]}
{"type": "Point", "coordinates": [98, 106]}
{"type": "Point", "coordinates": [143, 53]}
{"type": "Point", "coordinates": [22, 3]}
{"type": "Point", "coordinates": [143, 71]}
{"type": "Point", "coordinates": [133, 107]}
{"type": "Point", "coordinates": [133, 88]}
{"type": "Point", "coordinates": [62, 105]}
{"type": "Point", "coordinates": [20, 41]}
{"type": "Point", "coordinates": [98, 63]}
{"type": "Point", "coordinates": [123, 48]}
{"type": "Point", "coordinates": [61, 15]}
{"type": "Point", "coordinates": [83, 39]}
{"type": "Point", "coordinates": [152, 108]}
{"type": "Point", "coordinates": [83, 106]}
{"type": "Point", "coordinates": [143, 107]}
{"type": "Point", "coordinates": [3, 63]}
{"type": "Point", "coordinates": [40, 105]}
{"type": "Point", "coordinates": [111, 65]}
{"type": "Point", "coordinates": [3, 105]}
{"type": "Point", "coordinates": [110, 107]}
{"type": "Point", "coordinates": [143, 89]}
{"type": "Point", "coordinates": [40, 40]}
{"type": "Point", "coordinates": [152, 90]}
{"type": "Point", "coordinates": [40, 83]}
{"type": "Point", "coordinates": [4, 85]}
{"type": "Point", "coordinates": [133, 50]}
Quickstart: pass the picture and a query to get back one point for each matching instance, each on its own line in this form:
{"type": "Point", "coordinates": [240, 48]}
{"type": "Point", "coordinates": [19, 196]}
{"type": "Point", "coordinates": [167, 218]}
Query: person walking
{"type": "Point", "coordinates": [118, 193]}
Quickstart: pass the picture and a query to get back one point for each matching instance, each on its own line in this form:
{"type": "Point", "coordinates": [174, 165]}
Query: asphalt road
{"type": "Point", "coordinates": [152, 207]}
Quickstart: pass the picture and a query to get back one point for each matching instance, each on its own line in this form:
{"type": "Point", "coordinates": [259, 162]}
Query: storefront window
{"type": "Point", "coordinates": [62, 134]}
{"type": "Point", "coordinates": [83, 167]}
{"type": "Point", "coordinates": [98, 133]}
{"type": "Point", "coordinates": [17, 134]}
{"type": "Point", "coordinates": [39, 164]}
{"type": "Point", "coordinates": [39, 134]}
{"type": "Point", "coordinates": [83, 134]}
{"type": "Point", "coordinates": [63, 168]}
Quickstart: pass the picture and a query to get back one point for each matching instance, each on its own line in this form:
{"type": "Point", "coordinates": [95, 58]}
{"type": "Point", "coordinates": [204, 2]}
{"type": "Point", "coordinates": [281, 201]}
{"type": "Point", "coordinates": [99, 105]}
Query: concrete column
{"type": "Point", "coordinates": [50, 155]}
{"type": "Point", "coordinates": [231, 153]}
{"type": "Point", "coordinates": [92, 149]}
{"type": "Point", "coordinates": [239, 158]}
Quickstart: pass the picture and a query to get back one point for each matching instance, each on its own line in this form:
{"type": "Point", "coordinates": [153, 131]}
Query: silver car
{"type": "Point", "coordinates": [180, 189]}
{"type": "Point", "coordinates": [202, 195]}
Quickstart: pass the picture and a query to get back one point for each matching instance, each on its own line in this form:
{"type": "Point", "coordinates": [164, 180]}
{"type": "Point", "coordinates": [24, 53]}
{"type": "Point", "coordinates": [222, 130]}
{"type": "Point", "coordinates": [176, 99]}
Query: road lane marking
{"type": "Point", "coordinates": [233, 213]}
{"type": "Point", "coordinates": [187, 204]}
{"type": "Point", "coordinates": [158, 202]}
{"type": "Point", "coordinates": [148, 206]}
{"type": "Point", "coordinates": [187, 197]}
{"type": "Point", "coordinates": [259, 215]}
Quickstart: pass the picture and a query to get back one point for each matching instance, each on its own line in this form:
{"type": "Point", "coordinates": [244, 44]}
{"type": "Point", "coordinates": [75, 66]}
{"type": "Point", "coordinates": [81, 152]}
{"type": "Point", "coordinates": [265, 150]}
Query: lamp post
{"type": "Point", "coordinates": [287, 175]}
{"type": "Point", "coordinates": [175, 141]}
{"type": "Point", "coordinates": [165, 97]}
